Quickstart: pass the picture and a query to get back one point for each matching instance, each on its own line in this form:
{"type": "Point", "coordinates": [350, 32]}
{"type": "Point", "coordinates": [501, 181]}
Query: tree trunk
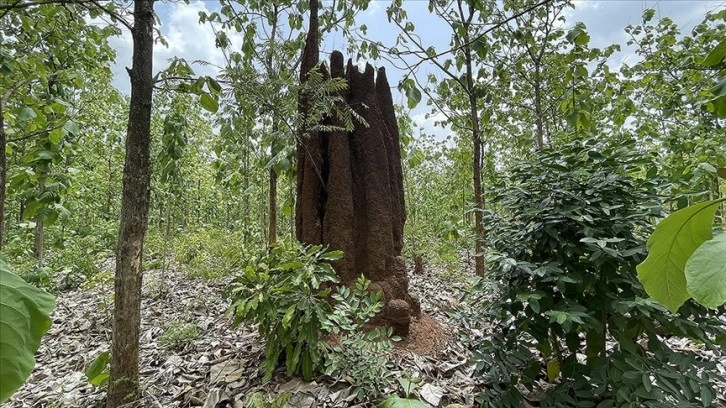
{"type": "Point", "coordinates": [272, 229]}
{"type": "Point", "coordinates": [123, 386]}
{"type": "Point", "coordinates": [38, 233]}
{"type": "Point", "coordinates": [538, 107]}
{"type": "Point", "coordinates": [109, 190]}
{"type": "Point", "coordinates": [272, 236]}
{"type": "Point", "coordinates": [3, 175]}
{"type": "Point", "coordinates": [476, 164]}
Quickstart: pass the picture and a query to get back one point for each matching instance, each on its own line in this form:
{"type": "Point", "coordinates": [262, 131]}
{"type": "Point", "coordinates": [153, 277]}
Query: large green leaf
{"type": "Point", "coordinates": [717, 105]}
{"type": "Point", "coordinates": [24, 319]}
{"type": "Point", "coordinates": [414, 96]}
{"type": "Point", "coordinates": [716, 56]}
{"type": "Point", "coordinates": [672, 243]}
{"type": "Point", "coordinates": [706, 272]}
{"type": "Point", "coordinates": [208, 102]}
{"type": "Point", "coordinates": [97, 373]}
{"type": "Point", "coordinates": [396, 402]}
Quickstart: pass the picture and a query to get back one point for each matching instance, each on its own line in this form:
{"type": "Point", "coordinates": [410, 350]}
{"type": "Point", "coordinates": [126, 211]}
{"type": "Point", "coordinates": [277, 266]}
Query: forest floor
{"type": "Point", "coordinates": [220, 367]}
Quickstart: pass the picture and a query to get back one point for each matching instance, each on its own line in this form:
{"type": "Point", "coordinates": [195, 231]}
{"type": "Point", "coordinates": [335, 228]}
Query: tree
{"type": "Point", "coordinates": [669, 86]}
{"type": "Point", "coordinates": [527, 60]}
{"type": "Point", "coordinates": [124, 380]}
{"type": "Point", "coordinates": [466, 41]}
{"type": "Point", "coordinates": [264, 72]}
{"type": "Point", "coordinates": [44, 71]}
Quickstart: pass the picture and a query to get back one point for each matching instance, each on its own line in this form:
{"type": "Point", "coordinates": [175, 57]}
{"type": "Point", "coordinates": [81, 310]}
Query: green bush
{"type": "Point", "coordinates": [177, 335]}
{"type": "Point", "coordinates": [361, 356]}
{"type": "Point", "coordinates": [565, 253]}
{"type": "Point", "coordinates": [286, 292]}
{"type": "Point", "coordinates": [209, 253]}
{"type": "Point", "coordinates": [70, 258]}
{"type": "Point", "coordinates": [282, 291]}
{"type": "Point", "coordinates": [259, 400]}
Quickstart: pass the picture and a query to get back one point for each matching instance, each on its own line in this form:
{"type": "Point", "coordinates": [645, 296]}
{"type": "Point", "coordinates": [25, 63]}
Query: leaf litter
{"type": "Point", "coordinates": [221, 367]}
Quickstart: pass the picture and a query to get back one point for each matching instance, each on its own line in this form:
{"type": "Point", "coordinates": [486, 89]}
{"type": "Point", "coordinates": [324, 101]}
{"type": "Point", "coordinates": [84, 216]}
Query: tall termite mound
{"type": "Point", "coordinates": [350, 192]}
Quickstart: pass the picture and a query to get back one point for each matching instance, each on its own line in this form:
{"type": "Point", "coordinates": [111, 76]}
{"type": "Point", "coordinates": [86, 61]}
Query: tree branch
{"type": "Point", "coordinates": [487, 31]}
{"type": "Point", "coordinates": [18, 5]}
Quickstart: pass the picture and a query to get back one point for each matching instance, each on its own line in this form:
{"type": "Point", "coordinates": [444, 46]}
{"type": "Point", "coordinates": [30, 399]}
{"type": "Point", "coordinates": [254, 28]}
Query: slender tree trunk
{"type": "Point", "coordinates": [198, 212]}
{"type": "Point", "coordinates": [109, 189]}
{"type": "Point", "coordinates": [123, 386]}
{"type": "Point", "coordinates": [538, 107]}
{"type": "Point", "coordinates": [38, 233]}
{"type": "Point", "coordinates": [3, 174]}
{"type": "Point", "coordinates": [476, 164]}
{"type": "Point", "coordinates": [272, 238]}
{"type": "Point", "coordinates": [247, 211]}
{"type": "Point", "coordinates": [272, 228]}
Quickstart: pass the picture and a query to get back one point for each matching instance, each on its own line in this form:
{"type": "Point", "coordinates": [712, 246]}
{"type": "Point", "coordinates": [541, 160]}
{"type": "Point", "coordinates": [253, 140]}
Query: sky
{"type": "Point", "coordinates": [605, 21]}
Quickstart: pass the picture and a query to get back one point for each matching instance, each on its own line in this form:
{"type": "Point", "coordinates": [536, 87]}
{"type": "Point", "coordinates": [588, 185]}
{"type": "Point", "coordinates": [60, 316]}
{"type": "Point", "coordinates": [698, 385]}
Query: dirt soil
{"type": "Point", "coordinates": [427, 337]}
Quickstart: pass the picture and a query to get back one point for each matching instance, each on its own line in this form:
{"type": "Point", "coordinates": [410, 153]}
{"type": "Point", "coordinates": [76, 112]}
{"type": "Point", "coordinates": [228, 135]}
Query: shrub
{"type": "Point", "coordinates": [287, 291]}
{"type": "Point", "coordinates": [361, 357]}
{"type": "Point", "coordinates": [565, 259]}
{"type": "Point", "coordinates": [282, 291]}
{"type": "Point", "coordinates": [209, 253]}
{"type": "Point", "coordinates": [259, 400]}
{"type": "Point", "coordinates": [177, 335]}
{"type": "Point", "coordinates": [71, 257]}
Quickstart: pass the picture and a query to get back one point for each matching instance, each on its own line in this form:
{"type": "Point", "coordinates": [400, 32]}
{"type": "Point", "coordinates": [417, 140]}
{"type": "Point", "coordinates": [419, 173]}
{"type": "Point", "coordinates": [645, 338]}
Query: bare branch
{"type": "Point", "coordinates": [480, 36]}
{"type": "Point", "coordinates": [113, 14]}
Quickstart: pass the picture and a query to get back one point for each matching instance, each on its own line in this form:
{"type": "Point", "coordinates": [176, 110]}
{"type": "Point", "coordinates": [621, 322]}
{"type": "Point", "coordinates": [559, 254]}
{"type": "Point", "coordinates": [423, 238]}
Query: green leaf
{"type": "Point", "coordinates": [707, 167]}
{"type": "Point", "coordinates": [578, 35]}
{"type": "Point", "coordinates": [101, 379]}
{"type": "Point", "coordinates": [214, 85]}
{"type": "Point", "coordinates": [24, 319]}
{"type": "Point", "coordinates": [72, 128]}
{"type": "Point", "coordinates": [717, 105]}
{"type": "Point", "coordinates": [27, 114]}
{"type": "Point", "coordinates": [97, 367]}
{"type": "Point", "coordinates": [307, 366]}
{"type": "Point", "coordinates": [287, 318]}
{"type": "Point", "coordinates": [648, 15]}
{"type": "Point", "coordinates": [208, 103]}
{"type": "Point", "coordinates": [414, 96]}
{"type": "Point", "coordinates": [553, 371]}
{"type": "Point", "coordinates": [332, 255]}
{"type": "Point", "coordinates": [716, 56]}
{"type": "Point", "coordinates": [55, 136]}
{"type": "Point", "coordinates": [706, 273]}
{"type": "Point", "coordinates": [396, 402]}
{"type": "Point", "coordinates": [672, 243]}
{"type": "Point", "coordinates": [292, 265]}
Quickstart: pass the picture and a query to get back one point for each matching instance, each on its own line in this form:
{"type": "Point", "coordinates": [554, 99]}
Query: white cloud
{"type": "Point", "coordinates": [586, 4]}
{"type": "Point", "coordinates": [374, 7]}
{"type": "Point", "coordinates": [186, 39]}
{"type": "Point", "coordinates": [123, 46]}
